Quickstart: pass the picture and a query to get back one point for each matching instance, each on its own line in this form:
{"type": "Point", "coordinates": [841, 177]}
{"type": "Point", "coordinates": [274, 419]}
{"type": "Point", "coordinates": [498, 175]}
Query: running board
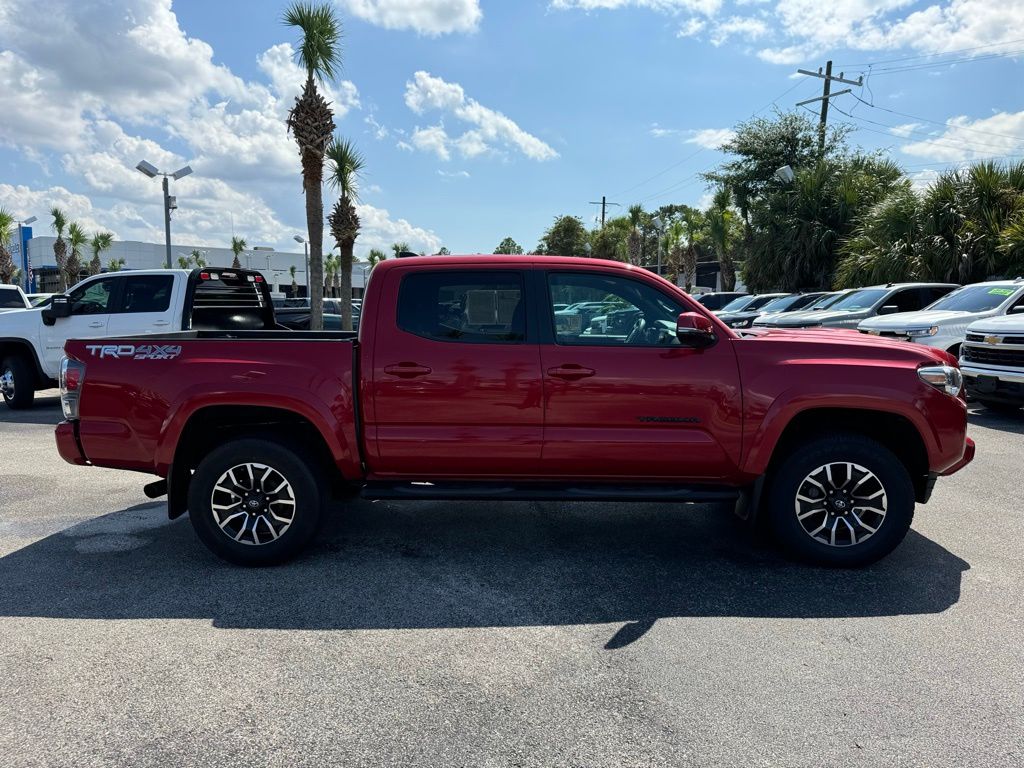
{"type": "Point", "coordinates": [473, 491]}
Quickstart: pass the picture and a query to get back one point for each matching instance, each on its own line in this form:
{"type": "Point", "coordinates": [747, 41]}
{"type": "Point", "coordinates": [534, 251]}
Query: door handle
{"type": "Point", "coordinates": [162, 322]}
{"type": "Point", "coordinates": [97, 325]}
{"type": "Point", "coordinates": [407, 370]}
{"type": "Point", "coordinates": [571, 372]}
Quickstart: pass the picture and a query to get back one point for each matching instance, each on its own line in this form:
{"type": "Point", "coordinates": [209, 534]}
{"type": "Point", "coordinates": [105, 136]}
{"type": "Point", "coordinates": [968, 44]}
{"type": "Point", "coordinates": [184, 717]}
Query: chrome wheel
{"type": "Point", "coordinates": [841, 504]}
{"type": "Point", "coordinates": [253, 504]}
{"type": "Point", "coordinates": [7, 383]}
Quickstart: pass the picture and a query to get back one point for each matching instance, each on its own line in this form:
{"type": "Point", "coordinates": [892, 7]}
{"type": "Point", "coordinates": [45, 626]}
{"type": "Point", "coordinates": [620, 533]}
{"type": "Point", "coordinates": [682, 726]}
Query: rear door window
{"type": "Point", "coordinates": [147, 293]}
{"type": "Point", "coordinates": [475, 307]}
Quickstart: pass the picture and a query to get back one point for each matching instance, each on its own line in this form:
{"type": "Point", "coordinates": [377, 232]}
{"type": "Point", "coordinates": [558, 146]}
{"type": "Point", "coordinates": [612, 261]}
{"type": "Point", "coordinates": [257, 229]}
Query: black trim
{"type": "Point", "coordinates": [357, 406]}
{"type": "Point", "coordinates": [178, 480]}
{"type": "Point", "coordinates": [547, 491]}
{"type": "Point", "coordinates": [924, 490]}
{"type": "Point", "coordinates": [42, 380]}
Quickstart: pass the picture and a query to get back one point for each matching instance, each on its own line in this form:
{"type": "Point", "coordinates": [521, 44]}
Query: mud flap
{"type": "Point", "coordinates": [748, 504]}
{"type": "Point", "coordinates": [178, 481]}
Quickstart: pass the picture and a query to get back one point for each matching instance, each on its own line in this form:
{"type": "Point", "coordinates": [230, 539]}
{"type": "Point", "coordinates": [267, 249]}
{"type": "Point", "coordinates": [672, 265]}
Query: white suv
{"type": "Point", "coordinates": [944, 323]}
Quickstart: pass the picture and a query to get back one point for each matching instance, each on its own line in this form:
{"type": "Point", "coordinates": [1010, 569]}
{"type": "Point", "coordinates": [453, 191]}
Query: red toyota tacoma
{"type": "Point", "coordinates": [515, 378]}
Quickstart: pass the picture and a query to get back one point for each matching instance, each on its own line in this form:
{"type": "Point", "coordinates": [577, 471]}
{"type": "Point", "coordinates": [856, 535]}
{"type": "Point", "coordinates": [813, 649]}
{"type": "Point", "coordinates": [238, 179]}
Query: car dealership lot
{"type": "Point", "coordinates": [520, 634]}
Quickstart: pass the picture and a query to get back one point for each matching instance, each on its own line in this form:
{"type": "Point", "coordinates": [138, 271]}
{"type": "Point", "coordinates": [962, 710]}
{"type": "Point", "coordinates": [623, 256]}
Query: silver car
{"type": "Point", "coordinates": [861, 304]}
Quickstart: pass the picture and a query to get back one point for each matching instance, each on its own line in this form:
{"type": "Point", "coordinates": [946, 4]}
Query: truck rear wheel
{"type": "Point", "coordinates": [255, 501]}
{"type": "Point", "coordinates": [842, 501]}
{"type": "Point", "coordinates": [17, 382]}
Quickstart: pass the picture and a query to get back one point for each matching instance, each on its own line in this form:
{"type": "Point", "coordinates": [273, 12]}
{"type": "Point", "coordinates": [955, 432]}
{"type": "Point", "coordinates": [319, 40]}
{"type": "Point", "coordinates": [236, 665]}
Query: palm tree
{"type": "Point", "coordinates": [237, 246]}
{"type": "Point", "coordinates": [7, 268]}
{"type": "Point", "coordinates": [634, 241]}
{"type": "Point", "coordinates": [345, 165]}
{"type": "Point", "coordinates": [720, 224]}
{"type": "Point", "coordinates": [375, 257]}
{"type": "Point", "coordinates": [694, 224]}
{"type": "Point", "coordinates": [73, 264]}
{"type": "Point", "coordinates": [198, 258]}
{"type": "Point", "coordinates": [311, 122]}
{"type": "Point", "coordinates": [330, 268]}
{"type": "Point", "coordinates": [399, 248]}
{"type": "Point", "coordinates": [60, 248]}
{"type": "Point", "coordinates": [115, 265]}
{"type": "Point", "coordinates": [674, 250]}
{"type": "Point", "coordinates": [101, 241]}
{"type": "Point", "coordinates": [184, 262]}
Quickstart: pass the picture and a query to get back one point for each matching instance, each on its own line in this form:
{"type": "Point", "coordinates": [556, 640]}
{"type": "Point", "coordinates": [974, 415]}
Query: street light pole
{"type": "Point", "coordinates": [150, 170]}
{"type": "Point", "coordinates": [26, 265]}
{"type": "Point", "coordinates": [167, 221]}
{"type": "Point", "coordinates": [305, 247]}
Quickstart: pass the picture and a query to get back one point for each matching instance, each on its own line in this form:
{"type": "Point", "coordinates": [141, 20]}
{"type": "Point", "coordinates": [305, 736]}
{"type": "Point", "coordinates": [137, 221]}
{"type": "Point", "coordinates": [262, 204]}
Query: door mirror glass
{"type": "Point", "coordinates": [60, 306]}
{"type": "Point", "coordinates": [889, 309]}
{"type": "Point", "coordinates": [695, 330]}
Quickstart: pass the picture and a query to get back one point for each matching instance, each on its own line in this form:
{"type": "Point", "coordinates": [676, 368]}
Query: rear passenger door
{"type": "Point", "coordinates": [146, 306]}
{"type": "Point", "coordinates": [456, 379]}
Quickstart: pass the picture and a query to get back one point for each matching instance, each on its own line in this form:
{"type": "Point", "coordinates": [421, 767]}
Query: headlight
{"type": "Point", "coordinates": [944, 377]}
{"type": "Point", "coordinates": [923, 331]}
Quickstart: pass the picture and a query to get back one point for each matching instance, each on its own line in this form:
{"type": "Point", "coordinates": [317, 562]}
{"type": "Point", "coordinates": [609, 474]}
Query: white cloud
{"type": "Point", "coordinates": [708, 138]}
{"type": "Point", "coordinates": [426, 17]}
{"type": "Point", "coordinates": [965, 139]}
{"type": "Point", "coordinates": [691, 27]}
{"type": "Point", "coordinates": [708, 7]}
{"type": "Point", "coordinates": [749, 28]}
{"type": "Point", "coordinates": [453, 174]}
{"type": "Point", "coordinates": [492, 129]}
{"type": "Point", "coordinates": [904, 130]}
{"type": "Point", "coordinates": [433, 139]}
{"type": "Point", "coordinates": [379, 230]}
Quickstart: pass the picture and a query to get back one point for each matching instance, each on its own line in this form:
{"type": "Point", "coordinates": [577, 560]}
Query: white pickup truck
{"type": "Point", "coordinates": [130, 303]}
{"type": "Point", "coordinates": [992, 361]}
{"type": "Point", "coordinates": [12, 298]}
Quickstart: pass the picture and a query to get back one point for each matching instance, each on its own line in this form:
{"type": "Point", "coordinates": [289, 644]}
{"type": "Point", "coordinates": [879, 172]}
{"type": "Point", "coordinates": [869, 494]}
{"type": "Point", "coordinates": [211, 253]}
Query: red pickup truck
{"type": "Point", "coordinates": [465, 382]}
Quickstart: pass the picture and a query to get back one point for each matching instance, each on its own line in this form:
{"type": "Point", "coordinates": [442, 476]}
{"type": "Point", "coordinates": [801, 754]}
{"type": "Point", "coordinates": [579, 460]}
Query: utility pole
{"type": "Point", "coordinates": [826, 94]}
{"type": "Point", "coordinates": [604, 204]}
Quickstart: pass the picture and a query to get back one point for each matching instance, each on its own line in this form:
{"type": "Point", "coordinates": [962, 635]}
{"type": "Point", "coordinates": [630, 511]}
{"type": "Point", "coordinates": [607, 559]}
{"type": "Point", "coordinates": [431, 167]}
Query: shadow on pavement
{"type": "Point", "coordinates": [1005, 421]}
{"type": "Point", "coordinates": [45, 411]}
{"type": "Point", "coordinates": [432, 565]}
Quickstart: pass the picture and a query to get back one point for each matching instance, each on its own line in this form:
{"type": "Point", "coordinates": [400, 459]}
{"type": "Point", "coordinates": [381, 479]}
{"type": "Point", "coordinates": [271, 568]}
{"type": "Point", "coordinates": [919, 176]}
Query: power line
{"type": "Point", "coordinates": [604, 204]}
{"type": "Point", "coordinates": [932, 55]}
{"type": "Point", "coordinates": [661, 173]}
{"type": "Point", "coordinates": [936, 122]}
{"type": "Point", "coordinates": [948, 62]}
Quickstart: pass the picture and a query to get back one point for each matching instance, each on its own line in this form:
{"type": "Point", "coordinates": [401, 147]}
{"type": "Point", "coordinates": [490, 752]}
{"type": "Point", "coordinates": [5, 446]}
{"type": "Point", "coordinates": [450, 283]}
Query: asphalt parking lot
{"type": "Point", "coordinates": [505, 635]}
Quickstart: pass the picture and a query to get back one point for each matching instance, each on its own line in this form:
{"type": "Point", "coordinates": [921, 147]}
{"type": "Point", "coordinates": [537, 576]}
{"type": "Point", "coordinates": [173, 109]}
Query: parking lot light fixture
{"type": "Point", "coordinates": [170, 203]}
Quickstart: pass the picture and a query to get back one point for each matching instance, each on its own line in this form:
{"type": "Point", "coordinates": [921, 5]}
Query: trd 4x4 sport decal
{"type": "Point", "coordinates": [130, 351]}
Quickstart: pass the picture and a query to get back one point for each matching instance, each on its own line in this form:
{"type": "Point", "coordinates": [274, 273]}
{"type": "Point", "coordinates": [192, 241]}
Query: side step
{"type": "Point", "coordinates": [483, 491]}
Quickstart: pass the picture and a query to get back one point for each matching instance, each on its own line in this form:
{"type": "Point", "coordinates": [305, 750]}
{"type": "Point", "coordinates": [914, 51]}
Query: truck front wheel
{"type": "Point", "coordinates": [843, 501]}
{"type": "Point", "coordinates": [254, 501]}
{"type": "Point", "coordinates": [17, 382]}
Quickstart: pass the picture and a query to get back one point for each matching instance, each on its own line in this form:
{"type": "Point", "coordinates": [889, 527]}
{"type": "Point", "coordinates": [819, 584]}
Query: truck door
{"type": "Point", "coordinates": [625, 399]}
{"type": "Point", "coordinates": [91, 305]}
{"type": "Point", "coordinates": [456, 383]}
{"type": "Point", "coordinates": [145, 307]}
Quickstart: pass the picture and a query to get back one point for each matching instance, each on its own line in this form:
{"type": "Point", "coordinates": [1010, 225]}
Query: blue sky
{"type": "Point", "coordinates": [479, 119]}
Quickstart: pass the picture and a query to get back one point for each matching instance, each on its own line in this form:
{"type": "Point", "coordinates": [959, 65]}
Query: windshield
{"type": "Point", "coordinates": [860, 299]}
{"type": "Point", "coordinates": [827, 300]}
{"type": "Point", "coordinates": [781, 305]}
{"type": "Point", "coordinates": [737, 304]}
{"type": "Point", "coordinates": [975, 298]}
{"type": "Point", "coordinates": [761, 301]}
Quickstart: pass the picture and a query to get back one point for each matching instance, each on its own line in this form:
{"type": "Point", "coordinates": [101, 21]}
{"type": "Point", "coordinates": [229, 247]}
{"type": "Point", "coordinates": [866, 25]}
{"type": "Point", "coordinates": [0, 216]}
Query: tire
{"type": "Point", "coordinates": [16, 374]}
{"type": "Point", "coordinates": [874, 471]}
{"type": "Point", "coordinates": [259, 537]}
{"type": "Point", "coordinates": [998, 406]}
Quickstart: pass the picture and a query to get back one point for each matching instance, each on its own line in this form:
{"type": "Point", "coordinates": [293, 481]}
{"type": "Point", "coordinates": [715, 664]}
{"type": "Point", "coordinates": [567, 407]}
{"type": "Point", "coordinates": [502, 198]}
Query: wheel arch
{"type": "Point", "coordinates": [17, 346]}
{"type": "Point", "coordinates": [211, 426]}
{"type": "Point", "coordinates": [894, 431]}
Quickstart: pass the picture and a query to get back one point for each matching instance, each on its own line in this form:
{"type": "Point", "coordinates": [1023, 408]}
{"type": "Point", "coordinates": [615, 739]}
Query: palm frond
{"type": "Point", "coordinates": [346, 166]}
{"type": "Point", "coordinates": [319, 50]}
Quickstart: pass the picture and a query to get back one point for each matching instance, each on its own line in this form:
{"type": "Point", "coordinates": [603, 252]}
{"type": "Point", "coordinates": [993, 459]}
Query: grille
{"type": "Point", "coordinates": [993, 355]}
{"type": "Point", "coordinates": [979, 337]}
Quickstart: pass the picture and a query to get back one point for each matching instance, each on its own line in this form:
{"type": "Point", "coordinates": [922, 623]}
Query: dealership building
{"type": "Point", "coordinates": [274, 265]}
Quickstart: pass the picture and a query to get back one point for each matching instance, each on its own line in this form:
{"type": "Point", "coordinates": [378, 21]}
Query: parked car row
{"type": "Point", "coordinates": [982, 324]}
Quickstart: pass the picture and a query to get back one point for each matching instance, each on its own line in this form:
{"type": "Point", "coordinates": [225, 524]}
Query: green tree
{"type": "Point", "coordinates": [101, 241]}
{"type": "Point", "coordinates": [7, 267]}
{"type": "Point", "coordinates": [695, 228]}
{"type": "Point", "coordinates": [721, 223]}
{"type": "Point", "coordinates": [237, 246]}
{"type": "Point", "coordinates": [399, 248]}
{"type": "Point", "coordinates": [375, 257]}
{"type": "Point", "coordinates": [442, 251]}
{"type": "Point", "coordinates": [77, 239]}
{"type": "Point", "coordinates": [184, 262]}
{"type": "Point", "coordinates": [60, 247]}
{"type": "Point", "coordinates": [508, 246]}
{"type": "Point", "coordinates": [345, 166]}
{"type": "Point", "coordinates": [311, 122]}
{"type": "Point", "coordinates": [115, 265]}
{"type": "Point", "coordinates": [635, 242]}
{"type": "Point", "coordinates": [565, 237]}
{"type": "Point", "coordinates": [198, 258]}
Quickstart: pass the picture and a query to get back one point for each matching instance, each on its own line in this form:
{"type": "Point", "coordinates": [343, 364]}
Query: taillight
{"type": "Point", "coordinates": [72, 376]}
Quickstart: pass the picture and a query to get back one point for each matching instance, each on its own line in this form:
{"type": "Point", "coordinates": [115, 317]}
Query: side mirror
{"type": "Point", "coordinates": [60, 306]}
{"type": "Point", "coordinates": [1018, 310]}
{"type": "Point", "coordinates": [889, 309]}
{"type": "Point", "coordinates": [695, 330]}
